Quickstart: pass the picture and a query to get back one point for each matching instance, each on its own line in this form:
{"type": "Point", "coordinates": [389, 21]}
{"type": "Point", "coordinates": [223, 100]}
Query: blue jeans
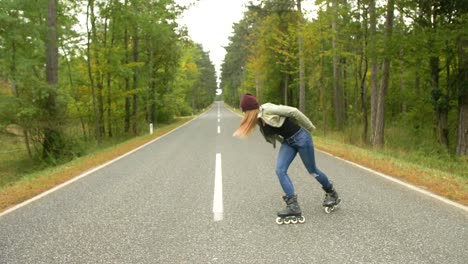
{"type": "Point", "coordinates": [301, 142]}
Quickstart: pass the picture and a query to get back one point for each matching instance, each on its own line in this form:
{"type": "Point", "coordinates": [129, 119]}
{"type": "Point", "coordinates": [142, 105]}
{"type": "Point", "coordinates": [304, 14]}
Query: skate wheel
{"type": "Point", "coordinates": [301, 220]}
{"type": "Point", "coordinates": [287, 221]}
{"type": "Point", "coordinates": [294, 221]}
{"type": "Point", "coordinates": [279, 221]}
{"type": "Point", "coordinates": [328, 209]}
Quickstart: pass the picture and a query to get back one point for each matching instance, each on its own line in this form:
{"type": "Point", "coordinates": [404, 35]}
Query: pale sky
{"type": "Point", "coordinates": [209, 23]}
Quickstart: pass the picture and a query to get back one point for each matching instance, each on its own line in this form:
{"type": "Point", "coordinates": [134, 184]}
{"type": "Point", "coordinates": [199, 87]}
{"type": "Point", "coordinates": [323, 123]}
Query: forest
{"type": "Point", "coordinates": [384, 74]}
{"type": "Point", "coordinates": [388, 74]}
{"type": "Point", "coordinates": [80, 73]}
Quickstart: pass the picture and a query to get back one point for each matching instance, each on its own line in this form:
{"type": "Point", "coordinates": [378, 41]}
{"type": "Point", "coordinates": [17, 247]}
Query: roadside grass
{"type": "Point", "coordinates": [13, 159]}
{"type": "Point", "coordinates": [411, 168]}
{"type": "Point", "coordinates": [34, 183]}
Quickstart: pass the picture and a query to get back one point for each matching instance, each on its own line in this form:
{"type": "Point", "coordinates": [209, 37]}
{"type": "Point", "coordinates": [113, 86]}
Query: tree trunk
{"type": "Point", "coordinates": [90, 13]}
{"type": "Point", "coordinates": [109, 75]}
{"type": "Point", "coordinates": [100, 78]}
{"type": "Point", "coordinates": [152, 91]}
{"type": "Point", "coordinates": [338, 92]}
{"type": "Point", "coordinates": [52, 143]}
{"type": "Point", "coordinates": [52, 51]}
{"type": "Point", "coordinates": [404, 103]}
{"type": "Point", "coordinates": [300, 40]}
{"type": "Point", "coordinates": [109, 85]}
{"type": "Point", "coordinates": [151, 103]}
{"type": "Point", "coordinates": [322, 87]}
{"type": "Point", "coordinates": [127, 83]}
{"type": "Point", "coordinates": [374, 67]}
{"type": "Point", "coordinates": [380, 119]}
{"type": "Point", "coordinates": [135, 42]}
{"type": "Point", "coordinates": [26, 141]}
{"type": "Point", "coordinates": [14, 88]}
{"type": "Point", "coordinates": [135, 83]}
{"type": "Point", "coordinates": [462, 131]}
{"type": "Point", "coordinates": [440, 103]}
{"type": "Point", "coordinates": [363, 76]}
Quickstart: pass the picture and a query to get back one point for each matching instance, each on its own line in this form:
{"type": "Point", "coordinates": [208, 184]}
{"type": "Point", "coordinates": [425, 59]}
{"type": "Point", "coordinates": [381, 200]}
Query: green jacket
{"type": "Point", "coordinates": [274, 115]}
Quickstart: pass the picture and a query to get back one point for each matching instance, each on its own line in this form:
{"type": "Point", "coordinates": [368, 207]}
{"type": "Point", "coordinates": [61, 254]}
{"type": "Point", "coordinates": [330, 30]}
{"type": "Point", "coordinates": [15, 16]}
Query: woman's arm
{"type": "Point", "coordinates": [294, 113]}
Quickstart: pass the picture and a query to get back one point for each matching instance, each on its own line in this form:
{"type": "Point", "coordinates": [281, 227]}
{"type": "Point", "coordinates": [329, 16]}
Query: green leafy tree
{"type": "Point", "coordinates": [117, 71]}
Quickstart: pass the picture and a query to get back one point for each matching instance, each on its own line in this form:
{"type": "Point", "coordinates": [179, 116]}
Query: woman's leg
{"type": "Point", "coordinates": [307, 154]}
{"type": "Point", "coordinates": [285, 156]}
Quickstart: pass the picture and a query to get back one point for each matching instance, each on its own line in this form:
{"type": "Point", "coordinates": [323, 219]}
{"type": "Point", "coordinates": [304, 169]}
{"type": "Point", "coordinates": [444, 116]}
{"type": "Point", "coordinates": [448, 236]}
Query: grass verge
{"type": "Point", "coordinates": [36, 183]}
{"type": "Point", "coordinates": [449, 185]}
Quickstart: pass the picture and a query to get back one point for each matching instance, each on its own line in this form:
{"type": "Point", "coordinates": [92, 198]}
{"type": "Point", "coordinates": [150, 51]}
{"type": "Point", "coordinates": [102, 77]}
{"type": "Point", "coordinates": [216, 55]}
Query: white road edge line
{"type": "Point", "coordinates": [219, 130]}
{"type": "Point", "coordinates": [218, 191]}
{"type": "Point", "coordinates": [41, 195]}
{"type": "Point", "coordinates": [407, 185]}
{"type": "Point", "coordinates": [390, 178]}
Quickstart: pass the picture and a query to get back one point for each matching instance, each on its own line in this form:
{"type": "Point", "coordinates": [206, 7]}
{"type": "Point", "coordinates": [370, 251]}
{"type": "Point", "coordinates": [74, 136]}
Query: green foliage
{"type": "Point", "coordinates": [9, 107]}
{"type": "Point", "coordinates": [263, 58]}
{"type": "Point", "coordinates": [107, 83]}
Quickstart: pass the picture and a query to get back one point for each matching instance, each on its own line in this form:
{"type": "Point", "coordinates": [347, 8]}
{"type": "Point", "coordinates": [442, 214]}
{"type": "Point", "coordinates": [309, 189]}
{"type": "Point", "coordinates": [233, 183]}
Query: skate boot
{"type": "Point", "coordinates": [331, 201]}
{"type": "Point", "coordinates": [292, 214]}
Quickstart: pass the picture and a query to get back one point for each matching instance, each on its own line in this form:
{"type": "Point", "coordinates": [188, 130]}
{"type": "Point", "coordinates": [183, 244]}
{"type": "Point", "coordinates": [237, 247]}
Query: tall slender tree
{"type": "Point", "coordinates": [91, 32]}
{"type": "Point", "coordinates": [337, 80]}
{"type": "Point", "coordinates": [300, 36]}
{"type": "Point", "coordinates": [373, 65]}
{"type": "Point", "coordinates": [363, 68]}
{"type": "Point", "coordinates": [136, 74]}
{"type": "Point", "coordinates": [52, 143]}
{"type": "Point", "coordinates": [379, 132]}
{"type": "Point", "coordinates": [462, 129]}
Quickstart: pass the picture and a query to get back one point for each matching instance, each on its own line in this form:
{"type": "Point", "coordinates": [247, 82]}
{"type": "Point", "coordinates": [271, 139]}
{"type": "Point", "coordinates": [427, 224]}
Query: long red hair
{"type": "Point", "coordinates": [247, 125]}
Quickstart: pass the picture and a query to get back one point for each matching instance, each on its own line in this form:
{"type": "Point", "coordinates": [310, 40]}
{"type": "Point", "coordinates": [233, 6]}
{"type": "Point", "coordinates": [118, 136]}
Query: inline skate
{"type": "Point", "coordinates": [332, 200]}
{"type": "Point", "coordinates": [292, 214]}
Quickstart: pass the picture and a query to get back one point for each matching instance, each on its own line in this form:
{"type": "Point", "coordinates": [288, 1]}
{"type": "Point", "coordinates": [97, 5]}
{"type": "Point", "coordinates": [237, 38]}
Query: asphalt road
{"type": "Point", "coordinates": [156, 206]}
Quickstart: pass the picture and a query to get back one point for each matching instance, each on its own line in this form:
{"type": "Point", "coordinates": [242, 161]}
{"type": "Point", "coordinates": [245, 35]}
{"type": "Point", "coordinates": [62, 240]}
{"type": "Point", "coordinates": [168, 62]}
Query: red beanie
{"type": "Point", "coordinates": [248, 102]}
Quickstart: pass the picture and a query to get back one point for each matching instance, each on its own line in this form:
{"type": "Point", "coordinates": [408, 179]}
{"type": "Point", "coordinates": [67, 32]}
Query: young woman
{"type": "Point", "coordinates": [292, 129]}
